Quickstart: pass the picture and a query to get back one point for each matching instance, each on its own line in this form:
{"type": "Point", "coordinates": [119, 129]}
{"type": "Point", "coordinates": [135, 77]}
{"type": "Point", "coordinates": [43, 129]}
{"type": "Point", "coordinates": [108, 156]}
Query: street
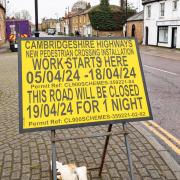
{"type": "Point", "coordinates": [90, 90]}
{"type": "Point", "coordinates": [27, 156]}
{"type": "Point", "coordinates": [163, 83]}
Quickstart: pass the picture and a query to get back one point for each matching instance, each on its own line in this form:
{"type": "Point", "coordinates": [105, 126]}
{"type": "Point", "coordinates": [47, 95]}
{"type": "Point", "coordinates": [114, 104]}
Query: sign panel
{"type": "Point", "coordinates": [79, 82]}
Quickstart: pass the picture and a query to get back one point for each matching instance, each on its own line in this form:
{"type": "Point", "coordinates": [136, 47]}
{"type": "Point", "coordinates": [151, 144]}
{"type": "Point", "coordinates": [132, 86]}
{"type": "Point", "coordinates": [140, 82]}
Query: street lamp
{"type": "Point", "coordinates": [36, 19]}
{"type": "Point", "coordinates": [126, 17]}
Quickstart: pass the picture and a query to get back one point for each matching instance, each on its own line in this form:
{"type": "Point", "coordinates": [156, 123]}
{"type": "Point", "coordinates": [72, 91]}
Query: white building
{"type": "Point", "coordinates": [162, 23]}
{"type": "Point", "coordinates": [58, 28]}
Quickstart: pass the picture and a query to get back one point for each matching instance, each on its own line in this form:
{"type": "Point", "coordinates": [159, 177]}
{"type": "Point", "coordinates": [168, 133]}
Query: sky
{"type": "Point", "coordinates": [54, 8]}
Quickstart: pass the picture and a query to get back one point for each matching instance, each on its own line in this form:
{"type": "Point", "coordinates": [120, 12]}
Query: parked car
{"type": "Point", "coordinates": [51, 31]}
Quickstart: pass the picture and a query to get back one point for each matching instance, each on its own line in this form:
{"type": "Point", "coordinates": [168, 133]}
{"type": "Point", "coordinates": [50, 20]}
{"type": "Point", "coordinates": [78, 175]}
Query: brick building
{"type": "Point", "coordinates": [49, 23]}
{"type": "Point", "coordinates": [78, 20]}
{"type": "Point", "coordinates": [2, 25]}
{"type": "Point", "coordinates": [135, 26]}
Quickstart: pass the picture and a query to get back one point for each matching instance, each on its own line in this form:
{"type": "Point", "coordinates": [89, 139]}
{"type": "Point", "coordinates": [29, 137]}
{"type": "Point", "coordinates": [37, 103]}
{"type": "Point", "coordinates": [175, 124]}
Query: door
{"type": "Point", "coordinates": [174, 37]}
{"type": "Point", "coordinates": [147, 35]}
{"type": "Point", "coordinates": [133, 30]}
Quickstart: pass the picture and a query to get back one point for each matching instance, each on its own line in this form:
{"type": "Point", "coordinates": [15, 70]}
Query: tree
{"type": "Point", "coordinates": [104, 3]}
{"type": "Point", "coordinates": [23, 14]}
{"type": "Point", "coordinates": [107, 17]}
{"type": "Point", "coordinates": [17, 15]}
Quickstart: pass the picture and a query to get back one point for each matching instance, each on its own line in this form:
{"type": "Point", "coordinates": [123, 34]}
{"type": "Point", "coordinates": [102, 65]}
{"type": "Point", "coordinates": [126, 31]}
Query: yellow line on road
{"type": "Point", "coordinates": [167, 141]}
{"type": "Point", "coordinates": [165, 132]}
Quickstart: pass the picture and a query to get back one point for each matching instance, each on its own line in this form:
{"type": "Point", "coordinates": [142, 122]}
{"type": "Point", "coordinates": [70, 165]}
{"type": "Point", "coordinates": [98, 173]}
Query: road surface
{"type": "Point", "coordinates": [28, 155]}
{"type": "Point", "coordinates": [163, 83]}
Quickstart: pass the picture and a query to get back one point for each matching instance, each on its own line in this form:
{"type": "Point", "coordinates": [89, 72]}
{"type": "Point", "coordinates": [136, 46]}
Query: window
{"type": "Point", "coordinates": [148, 11]}
{"type": "Point", "coordinates": [162, 9]}
{"type": "Point", "coordinates": [175, 5]}
{"type": "Point", "coordinates": [163, 34]}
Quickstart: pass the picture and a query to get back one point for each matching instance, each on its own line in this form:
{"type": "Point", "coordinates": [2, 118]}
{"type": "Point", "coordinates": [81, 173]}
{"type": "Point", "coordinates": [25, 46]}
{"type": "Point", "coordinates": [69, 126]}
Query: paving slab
{"type": "Point", "coordinates": [166, 53]}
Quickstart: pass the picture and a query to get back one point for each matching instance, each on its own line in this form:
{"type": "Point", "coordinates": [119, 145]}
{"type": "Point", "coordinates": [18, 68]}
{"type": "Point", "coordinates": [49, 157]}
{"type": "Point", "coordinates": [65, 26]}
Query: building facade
{"type": "Point", "coordinates": [78, 21]}
{"type": "Point", "coordinates": [135, 26]}
{"type": "Point", "coordinates": [162, 23]}
{"type": "Point", "coordinates": [49, 23]}
{"type": "Point", "coordinates": [2, 25]}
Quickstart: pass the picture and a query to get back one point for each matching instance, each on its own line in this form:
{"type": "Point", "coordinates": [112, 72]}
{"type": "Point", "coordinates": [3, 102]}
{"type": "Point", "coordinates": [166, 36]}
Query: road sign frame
{"type": "Point", "coordinates": [21, 130]}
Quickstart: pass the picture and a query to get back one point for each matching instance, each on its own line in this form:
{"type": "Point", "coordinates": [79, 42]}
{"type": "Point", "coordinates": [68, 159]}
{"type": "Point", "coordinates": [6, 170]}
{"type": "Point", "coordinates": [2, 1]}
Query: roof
{"type": "Point", "coordinates": [144, 2]}
{"type": "Point", "coordinates": [137, 17]}
{"type": "Point", "coordinates": [12, 20]}
{"type": "Point", "coordinates": [114, 8]}
{"type": "Point", "coordinates": [51, 19]}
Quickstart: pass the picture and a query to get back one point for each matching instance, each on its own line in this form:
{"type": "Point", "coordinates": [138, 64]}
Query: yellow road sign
{"type": "Point", "coordinates": [78, 82]}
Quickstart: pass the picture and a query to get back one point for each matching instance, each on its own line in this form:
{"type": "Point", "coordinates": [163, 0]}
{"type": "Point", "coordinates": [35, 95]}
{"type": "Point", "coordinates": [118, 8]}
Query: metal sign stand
{"type": "Point", "coordinates": [53, 146]}
{"type": "Point", "coordinates": [107, 134]}
{"type": "Point", "coordinates": [128, 152]}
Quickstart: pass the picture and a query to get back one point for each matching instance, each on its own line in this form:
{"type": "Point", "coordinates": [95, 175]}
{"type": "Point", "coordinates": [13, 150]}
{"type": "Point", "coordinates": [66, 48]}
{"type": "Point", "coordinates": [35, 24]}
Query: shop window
{"type": "Point", "coordinates": [163, 34]}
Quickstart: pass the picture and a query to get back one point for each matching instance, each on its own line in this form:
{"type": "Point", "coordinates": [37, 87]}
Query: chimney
{"type": "Point", "coordinates": [122, 4]}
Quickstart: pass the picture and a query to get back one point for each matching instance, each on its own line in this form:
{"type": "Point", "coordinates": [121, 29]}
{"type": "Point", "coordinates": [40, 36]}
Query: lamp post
{"type": "Point", "coordinates": [36, 19]}
{"type": "Point", "coordinates": [126, 17]}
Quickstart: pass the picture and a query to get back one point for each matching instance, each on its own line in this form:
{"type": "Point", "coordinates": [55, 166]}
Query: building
{"type": "Point", "coordinates": [62, 26]}
{"type": "Point", "coordinates": [135, 26]}
{"type": "Point", "coordinates": [78, 21]}
{"type": "Point", "coordinates": [162, 23]}
{"type": "Point", "coordinates": [49, 23]}
{"type": "Point", "coordinates": [2, 25]}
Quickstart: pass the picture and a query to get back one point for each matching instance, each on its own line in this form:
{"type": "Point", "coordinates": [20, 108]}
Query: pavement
{"type": "Point", "coordinates": [161, 52]}
{"type": "Point", "coordinates": [4, 48]}
{"type": "Point", "coordinates": [27, 156]}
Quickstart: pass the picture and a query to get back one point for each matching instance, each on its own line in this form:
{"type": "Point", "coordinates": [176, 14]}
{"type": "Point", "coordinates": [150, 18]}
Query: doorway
{"type": "Point", "coordinates": [174, 37]}
{"type": "Point", "coordinates": [133, 30]}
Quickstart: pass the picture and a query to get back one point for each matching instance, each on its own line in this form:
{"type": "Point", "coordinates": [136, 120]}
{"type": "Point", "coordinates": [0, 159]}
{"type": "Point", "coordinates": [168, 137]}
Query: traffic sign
{"type": "Point", "coordinates": [70, 82]}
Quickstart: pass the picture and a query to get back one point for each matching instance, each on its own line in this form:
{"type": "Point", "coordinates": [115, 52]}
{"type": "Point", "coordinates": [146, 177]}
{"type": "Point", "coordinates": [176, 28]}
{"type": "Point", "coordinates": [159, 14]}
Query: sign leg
{"type": "Point", "coordinates": [54, 173]}
{"type": "Point", "coordinates": [105, 150]}
{"type": "Point", "coordinates": [128, 153]}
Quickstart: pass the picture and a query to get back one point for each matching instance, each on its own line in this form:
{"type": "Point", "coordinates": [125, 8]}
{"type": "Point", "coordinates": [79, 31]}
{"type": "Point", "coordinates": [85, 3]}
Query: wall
{"type": "Point", "coordinates": [79, 23]}
{"type": "Point", "coordinates": [107, 33]}
{"type": "Point", "coordinates": [139, 28]}
{"type": "Point", "coordinates": [62, 26]}
{"type": "Point", "coordinates": [48, 23]}
{"type": "Point", "coordinates": [2, 27]}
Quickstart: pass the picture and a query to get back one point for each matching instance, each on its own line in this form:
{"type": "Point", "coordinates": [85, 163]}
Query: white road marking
{"type": "Point", "coordinates": [175, 74]}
